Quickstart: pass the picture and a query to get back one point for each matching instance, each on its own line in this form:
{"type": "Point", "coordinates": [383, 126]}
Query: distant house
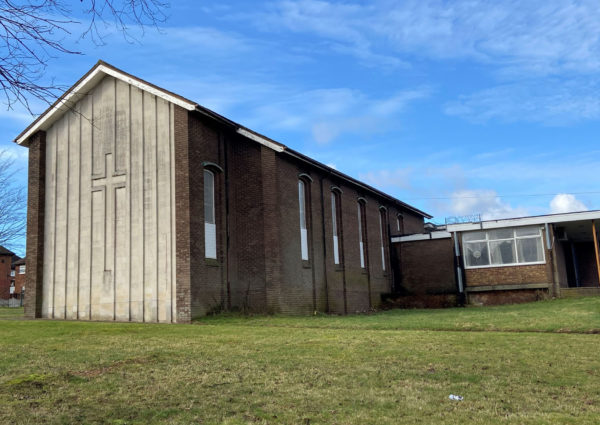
{"type": "Point", "coordinates": [505, 261]}
{"type": "Point", "coordinates": [7, 258]}
{"type": "Point", "coordinates": [18, 277]}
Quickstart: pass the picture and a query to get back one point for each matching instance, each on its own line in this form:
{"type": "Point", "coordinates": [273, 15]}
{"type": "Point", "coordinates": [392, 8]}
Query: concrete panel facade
{"type": "Point", "coordinates": [109, 208]}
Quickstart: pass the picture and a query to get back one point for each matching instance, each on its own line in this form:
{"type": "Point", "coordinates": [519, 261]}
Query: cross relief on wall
{"type": "Point", "coordinates": [109, 183]}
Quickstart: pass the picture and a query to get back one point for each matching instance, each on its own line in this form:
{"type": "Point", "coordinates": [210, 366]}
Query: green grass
{"type": "Point", "coordinates": [560, 315]}
{"type": "Point", "coordinates": [11, 313]}
{"type": "Point", "coordinates": [395, 367]}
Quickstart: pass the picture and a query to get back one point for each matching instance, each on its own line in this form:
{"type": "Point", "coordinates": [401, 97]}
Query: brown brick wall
{"type": "Point", "coordinates": [295, 291]}
{"type": "Point", "coordinates": [35, 224]}
{"type": "Point", "coordinates": [507, 297]}
{"type": "Point", "coordinates": [5, 279]}
{"type": "Point", "coordinates": [259, 266]}
{"type": "Point", "coordinates": [208, 288]}
{"type": "Point", "coordinates": [336, 288]}
{"type": "Point", "coordinates": [412, 223]}
{"type": "Point", "coordinates": [515, 275]}
{"type": "Point", "coordinates": [427, 267]}
{"type": "Point", "coordinates": [247, 210]}
{"type": "Point", "coordinates": [182, 215]}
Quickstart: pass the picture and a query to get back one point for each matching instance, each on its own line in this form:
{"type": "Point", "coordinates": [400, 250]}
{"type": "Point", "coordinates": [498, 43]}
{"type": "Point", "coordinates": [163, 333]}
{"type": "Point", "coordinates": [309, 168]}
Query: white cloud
{"type": "Point", "coordinates": [565, 202]}
{"type": "Point", "coordinates": [389, 179]}
{"type": "Point", "coordinates": [545, 52]}
{"type": "Point", "coordinates": [13, 152]}
{"type": "Point", "coordinates": [549, 102]}
{"type": "Point", "coordinates": [536, 36]}
{"type": "Point", "coordinates": [485, 202]}
{"type": "Point", "coordinates": [330, 113]}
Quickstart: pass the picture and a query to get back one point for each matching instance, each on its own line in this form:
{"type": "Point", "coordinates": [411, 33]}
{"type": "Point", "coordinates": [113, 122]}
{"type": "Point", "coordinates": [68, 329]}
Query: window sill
{"type": "Point", "coordinates": [306, 264]}
{"type": "Point", "coordinates": [212, 262]}
{"type": "Point", "coordinates": [492, 266]}
{"type": "Point", "coordinates": [339, 267]}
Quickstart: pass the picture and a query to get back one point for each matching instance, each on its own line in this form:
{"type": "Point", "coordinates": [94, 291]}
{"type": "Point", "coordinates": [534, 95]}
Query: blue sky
{"type": "Point", "coordinates": [455, 107]}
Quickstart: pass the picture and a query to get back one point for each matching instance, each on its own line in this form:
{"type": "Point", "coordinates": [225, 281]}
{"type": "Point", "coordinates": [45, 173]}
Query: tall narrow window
{"type": "Point", "coordinates": [382, 235]}
{"type": "Point", "coordinates": [210, 225]}
{"type": "Point", "coordinates": [335, 208]}
{"type": "Point", "coordinates": [399, 222]}
{"type": "Point", "coordinates": [362, 237]}
{"type": "Point", "coordinates": [303, 221]}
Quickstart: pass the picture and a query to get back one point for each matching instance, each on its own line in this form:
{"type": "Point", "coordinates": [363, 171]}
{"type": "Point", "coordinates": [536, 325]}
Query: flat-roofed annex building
{"type": "Point", "coordinates": [145, 206]}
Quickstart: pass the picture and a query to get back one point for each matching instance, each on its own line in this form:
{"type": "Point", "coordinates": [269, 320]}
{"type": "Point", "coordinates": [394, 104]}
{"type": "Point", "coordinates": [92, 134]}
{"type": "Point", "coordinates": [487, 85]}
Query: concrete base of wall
{"type": "Point", "coordinates": [507, 297]}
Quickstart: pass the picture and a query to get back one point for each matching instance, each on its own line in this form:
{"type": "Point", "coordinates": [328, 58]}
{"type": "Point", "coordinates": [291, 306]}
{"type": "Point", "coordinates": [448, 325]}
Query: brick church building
{"type": "Point", "coordinates": [145, 206]}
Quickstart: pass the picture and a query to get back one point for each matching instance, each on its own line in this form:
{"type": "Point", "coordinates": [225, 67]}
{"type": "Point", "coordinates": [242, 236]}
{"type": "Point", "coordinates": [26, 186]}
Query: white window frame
{"type": "Point", "coordinates": [12, 273]}
{"type": "Point", "coordinates": [487, 240]}
{"type": "Point", "coordinates": [22, 269]}
{"type": "Point", "coordinates": [210, 228]}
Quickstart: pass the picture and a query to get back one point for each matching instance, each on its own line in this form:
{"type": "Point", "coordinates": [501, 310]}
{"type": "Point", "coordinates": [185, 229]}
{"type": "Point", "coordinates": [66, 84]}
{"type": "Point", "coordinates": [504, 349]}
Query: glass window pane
{"type": "Point", "coordinates": [302, 206]}
{"type": "Point", "coordinates": [503, 252]}
{"type": "Point", "coordinates": [209, 197]}
{"type": "Point", "coordinates": [500, 234]}
{"type": "Point", "coordinates": [359, 223]}
{"type": "Point", "coordinates": [333, 214]}
{"type": "Point", "coordinates": [474, 236]}
{"type": "Point", "coordinates": [381, 236]}
{"type": "Point", "coordinates": [530, 250]}
{"type": "Point", "coordinates": [527, 231]}
{"type": "Point", "coordinates": [476, 254]}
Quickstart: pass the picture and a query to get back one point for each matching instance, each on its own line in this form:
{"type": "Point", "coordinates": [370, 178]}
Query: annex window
{"type": "Point", "coordinates": [12, 273]}
{"type": "Point", "coordinates": [302, 204]}
{"type": "Point", "coordinates": [362, 234]}
{"type": "Point", "coordinates": [503, 247]}
{"type": "Point", "coordinates": [399, 222]}
{"type": "Point", "coordinates": [382, 234]}
{"type": "Point", "coordinates": [210, 224]}
{"type": "Point", "coordinates": [335, 224]}
{"type": "Point", "coordinates": [21, 269]}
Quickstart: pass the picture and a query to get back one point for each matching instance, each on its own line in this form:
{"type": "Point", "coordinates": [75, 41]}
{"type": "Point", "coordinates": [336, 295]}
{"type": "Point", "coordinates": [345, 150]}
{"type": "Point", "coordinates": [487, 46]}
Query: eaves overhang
{"type": "Point", "coordinates": [83, 87]}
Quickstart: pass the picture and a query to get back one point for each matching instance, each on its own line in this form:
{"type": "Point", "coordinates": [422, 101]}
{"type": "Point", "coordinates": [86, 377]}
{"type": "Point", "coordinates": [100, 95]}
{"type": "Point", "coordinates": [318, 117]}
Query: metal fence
{"type": "Point", "coordinates": [16, 300]}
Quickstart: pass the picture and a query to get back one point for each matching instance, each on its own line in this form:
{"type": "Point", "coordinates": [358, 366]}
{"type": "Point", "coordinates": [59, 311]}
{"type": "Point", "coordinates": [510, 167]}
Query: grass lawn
{"type": "Point", "coordinates": [527, 364]}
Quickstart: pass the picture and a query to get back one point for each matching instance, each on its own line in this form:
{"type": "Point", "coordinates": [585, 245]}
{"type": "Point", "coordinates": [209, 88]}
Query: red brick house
{"type": "Point", "coordinates": [145, 206]}
{"type": "Point", "coordinates": [18, 274]}
{"type": "Point", "coordinates": [6, 259]}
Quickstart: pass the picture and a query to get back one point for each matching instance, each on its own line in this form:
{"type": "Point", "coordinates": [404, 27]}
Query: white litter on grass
{"type": "Point", "coordinates": [455, 397]}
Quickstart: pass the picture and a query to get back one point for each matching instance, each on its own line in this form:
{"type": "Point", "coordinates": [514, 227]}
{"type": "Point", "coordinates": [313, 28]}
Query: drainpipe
{"type": "Point", "coordinates": [459, 272]}
{"type": "Point", "coordinates": [596, 249]}
{"type": "Point", "coordinates": [549, 246]}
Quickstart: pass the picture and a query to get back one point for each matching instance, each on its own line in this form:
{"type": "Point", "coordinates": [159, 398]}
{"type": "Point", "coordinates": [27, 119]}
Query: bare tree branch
{"type": "Point", "coordinates": [34, 31]}
{"type": "Point", "coordinates": [13, 202]}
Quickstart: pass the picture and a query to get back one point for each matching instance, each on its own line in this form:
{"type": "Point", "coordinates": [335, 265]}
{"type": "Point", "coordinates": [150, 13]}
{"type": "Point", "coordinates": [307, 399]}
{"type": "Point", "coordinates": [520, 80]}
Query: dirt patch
{"type": "Point", "coordinates": [93, 373]}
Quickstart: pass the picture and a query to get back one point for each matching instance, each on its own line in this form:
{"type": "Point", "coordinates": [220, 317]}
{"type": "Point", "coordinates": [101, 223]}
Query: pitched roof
{"type": "Point", "coordinates": [4, 251]}
{"type": "Point", "coordinates": [19, 261]}
{"type": "Point", "coordinates": [101, 69]}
